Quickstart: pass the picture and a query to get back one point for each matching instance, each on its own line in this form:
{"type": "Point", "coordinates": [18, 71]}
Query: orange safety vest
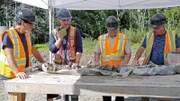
{"type": "Point", "coordinates": [19, 53]}
{"type": "Point", "coordinates": [58, 57]}
{"type": "Point", "coordinates": [170, 45]}
{"type": "Point", "coordinates": [115, 54]}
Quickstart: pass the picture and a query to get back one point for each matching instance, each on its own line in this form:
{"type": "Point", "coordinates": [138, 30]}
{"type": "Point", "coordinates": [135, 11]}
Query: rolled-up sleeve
{"type": "Point", "coordinates": [79, 45]}
{"type": "Point", "coordinates": [97, 48]}
{"type": "Point", "coordinates": [52, 46]}
{"type": "Point", "coordinates": [127, 48]}
{"type": "Point", "coordinates": [7, 41]}
{"type": "Point", "coordinates": [144, 43]}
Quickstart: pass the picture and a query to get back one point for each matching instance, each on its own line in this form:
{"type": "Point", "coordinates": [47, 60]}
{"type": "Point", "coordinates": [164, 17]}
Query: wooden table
{"type": "Point", "coordinates": [137, 86]}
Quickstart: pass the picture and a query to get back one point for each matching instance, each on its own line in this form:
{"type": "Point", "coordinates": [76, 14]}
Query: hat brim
{"type": "Point", "coordinates": [34, 23]}
{"type": "Point", "coordinates": [26, 21]}
{"type": "Point", "coordinates": [66, 18]}
{"type": "Point", "coordinates": [157, 25]}
{"type": "Point", "coordinates": [154, 26]}
{"type": "Point", "coordinates": [112, 28]}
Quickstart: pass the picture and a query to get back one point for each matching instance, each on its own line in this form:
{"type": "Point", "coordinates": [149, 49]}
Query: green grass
{"type": "Point", "coordinates": [42, 46]}
{"type": "Point", "coordinates": [88, 45]}
{"type": "Point", "coordinates": [135, 45]}
{"type": "Point", "coordinates": [135, 36]}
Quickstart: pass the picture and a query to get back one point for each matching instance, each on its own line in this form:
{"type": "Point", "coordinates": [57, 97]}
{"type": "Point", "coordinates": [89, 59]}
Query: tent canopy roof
{"type": "Point", "coordinates": [101, 4]}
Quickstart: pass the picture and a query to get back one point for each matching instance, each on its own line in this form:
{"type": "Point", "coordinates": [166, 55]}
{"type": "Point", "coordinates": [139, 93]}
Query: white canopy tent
{"type": "Point", "coordinates": [99, 5]}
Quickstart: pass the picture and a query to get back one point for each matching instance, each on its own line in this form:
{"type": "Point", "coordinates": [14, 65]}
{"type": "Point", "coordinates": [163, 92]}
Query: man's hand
{"type": "Point", "coordinates": [61, 34]}
{"type": "Point", "coordinates": [135, 62]}
{"type": "Point", "coordinates": [97, 63]}
{"type": "Point", "coordinates": [123, 63]}
{"type": "Point", "coordinates": [60, 39]}
{"type": "Point", "coordinates": [21, 75]}
{"type": "Point", "coordinates": [75, 66]}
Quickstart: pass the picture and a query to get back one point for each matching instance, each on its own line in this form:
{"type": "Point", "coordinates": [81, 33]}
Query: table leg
{"type": "Point", "coordinates": [14, 96]}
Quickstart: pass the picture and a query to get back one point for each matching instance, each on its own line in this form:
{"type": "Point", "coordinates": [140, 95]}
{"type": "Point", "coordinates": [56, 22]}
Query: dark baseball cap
{"type": "Point", "coordinates": [111, 23]}
{"type": "Point", "coordinates": [27, 15]}
{"type": "Point", "coordinates": [157, 20]}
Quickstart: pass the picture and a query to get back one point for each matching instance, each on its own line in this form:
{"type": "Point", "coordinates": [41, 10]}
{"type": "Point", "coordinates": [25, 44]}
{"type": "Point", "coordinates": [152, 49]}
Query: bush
{"type": "Point", "coordinates": [135, 36]}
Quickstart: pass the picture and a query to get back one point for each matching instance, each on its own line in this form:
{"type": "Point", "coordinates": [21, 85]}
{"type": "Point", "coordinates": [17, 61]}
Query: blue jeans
{"type": "Point", "coordinates": [3, 77]}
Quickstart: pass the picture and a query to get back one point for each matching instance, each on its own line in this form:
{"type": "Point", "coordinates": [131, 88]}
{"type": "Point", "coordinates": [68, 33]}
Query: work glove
{"type": "Point", "coordinates": [44, 67]}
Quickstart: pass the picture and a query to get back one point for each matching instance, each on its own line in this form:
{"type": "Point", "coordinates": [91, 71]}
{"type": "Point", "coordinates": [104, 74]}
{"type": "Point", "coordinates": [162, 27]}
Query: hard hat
{"type": "Point", "coordinates": [111, 23]}
{"type": "Point", "coordinates": [157, 19]}
{"type": "Point", "coordinates": [64, 14]}
{"type": "Point", "coordinates": [27, 15]}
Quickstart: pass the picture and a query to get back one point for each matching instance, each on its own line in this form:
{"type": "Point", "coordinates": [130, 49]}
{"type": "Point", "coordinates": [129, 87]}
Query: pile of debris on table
{"type": "Point", "coordinates": [124, 71]}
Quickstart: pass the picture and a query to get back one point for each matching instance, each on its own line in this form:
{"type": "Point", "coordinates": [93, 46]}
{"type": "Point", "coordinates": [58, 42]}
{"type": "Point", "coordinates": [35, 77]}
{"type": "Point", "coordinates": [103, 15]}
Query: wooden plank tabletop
{"type": "Point", "coordinates": [144, 86]}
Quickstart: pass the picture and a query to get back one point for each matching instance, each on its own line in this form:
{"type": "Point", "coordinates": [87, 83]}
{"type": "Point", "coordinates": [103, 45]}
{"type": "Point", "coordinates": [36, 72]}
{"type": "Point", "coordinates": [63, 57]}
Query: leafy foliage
{"type": "Point", "coordinates": [91, 23]}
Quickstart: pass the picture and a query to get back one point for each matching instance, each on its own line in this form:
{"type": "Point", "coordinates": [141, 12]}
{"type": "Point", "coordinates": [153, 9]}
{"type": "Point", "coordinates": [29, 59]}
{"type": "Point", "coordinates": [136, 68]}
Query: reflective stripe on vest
{"type": "Point", "coordinates": [29, 45]}
{"type": "Point", "coordinates": [15, 42]}
{"type": "Point", "coordinates": [112, 56]}
{"type": "Point", "coordinates": [170, 45]}
{"type": "Point", "coordinates": [102, 43]}
{"type": "Point", "coordinates": [71, 52]}
{"type": "Point", "coordinates": [71, 41]}
{"type": "Point", "coordinates": [19, 62]}
{"type": "Point", "coordinates": [149, 43]}
{"type": "Point", "coordinates": [121, 44]}
{"type": "Point", "coordinates": [19, 54]}
{"type": "Point", "coordinates": [115, 54]}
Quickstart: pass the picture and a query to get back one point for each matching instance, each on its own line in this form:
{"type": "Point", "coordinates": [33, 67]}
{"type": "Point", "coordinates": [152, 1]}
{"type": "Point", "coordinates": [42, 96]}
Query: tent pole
{"type": "Point", "coordinates": [50, 54]}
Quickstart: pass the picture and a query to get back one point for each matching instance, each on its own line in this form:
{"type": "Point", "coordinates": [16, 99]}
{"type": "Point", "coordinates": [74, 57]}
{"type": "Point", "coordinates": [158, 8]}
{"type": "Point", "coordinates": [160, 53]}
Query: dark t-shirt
{"type": "Point", "coordinates": [157, 54]}
{"type": "Point", "coordinates": [8, 43]}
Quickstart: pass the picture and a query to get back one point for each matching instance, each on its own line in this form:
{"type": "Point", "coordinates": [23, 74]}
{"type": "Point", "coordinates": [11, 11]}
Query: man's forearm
{"type": "Point", "coordinates": [96, 57]}
{"type": "Point", "coordinates": [58, 43]}
{"type": "Point", "coordinates": [78, 57]}
{"type": "Point", "coordinates": [11, 60]}
{"type": "Point", "coordinates": [37, 55]}
{"type": "Point", "coordinates": [139, 53]}
{"type": "Point", "coordinates": [178, 50]}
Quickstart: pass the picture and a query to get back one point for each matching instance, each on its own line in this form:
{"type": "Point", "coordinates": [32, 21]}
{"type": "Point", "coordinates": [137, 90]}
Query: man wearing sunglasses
{"type": "Point", "coordinates": [112, 48]}
{"type": "Point", "coordinates": [158, 42]}
{"type": "Point", "coordinates": [17, 48]}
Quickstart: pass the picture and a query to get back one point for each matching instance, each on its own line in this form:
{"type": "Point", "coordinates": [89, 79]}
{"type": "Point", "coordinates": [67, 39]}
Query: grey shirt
{"type": "Point", "coordinates": [111, 40]}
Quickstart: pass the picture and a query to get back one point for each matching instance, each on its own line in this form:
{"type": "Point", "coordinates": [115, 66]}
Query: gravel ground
{"type": "Point", "coordinates": [42, 97]}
